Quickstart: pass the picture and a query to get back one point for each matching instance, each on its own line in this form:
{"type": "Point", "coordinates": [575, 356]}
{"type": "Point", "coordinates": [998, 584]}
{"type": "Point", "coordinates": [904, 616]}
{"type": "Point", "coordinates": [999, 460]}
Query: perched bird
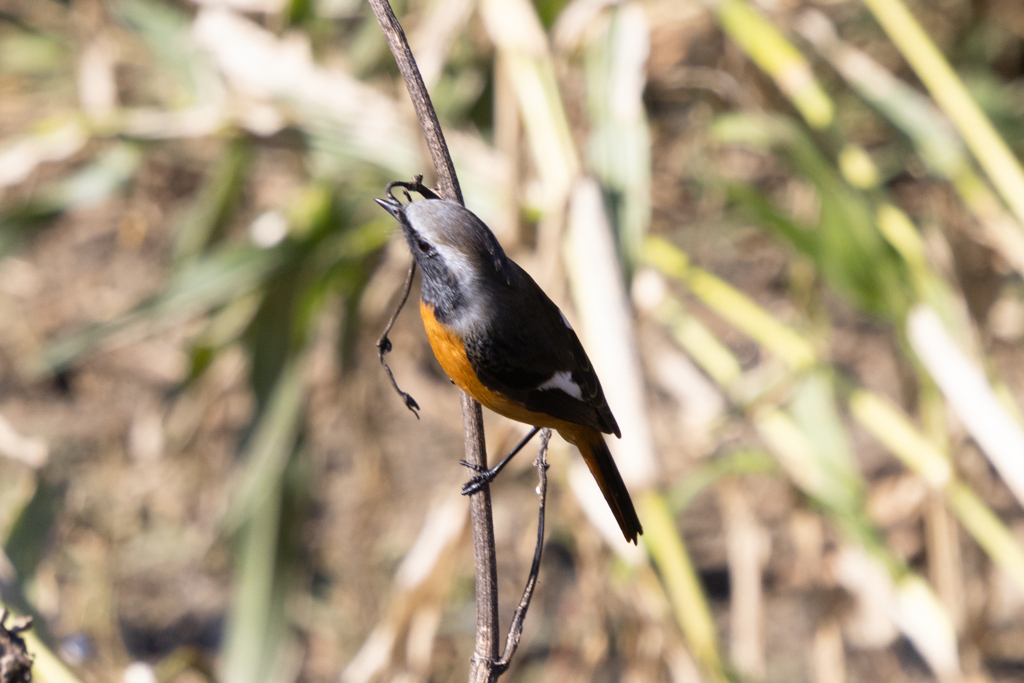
{"type": "Point", "coordinates": [504, 342]}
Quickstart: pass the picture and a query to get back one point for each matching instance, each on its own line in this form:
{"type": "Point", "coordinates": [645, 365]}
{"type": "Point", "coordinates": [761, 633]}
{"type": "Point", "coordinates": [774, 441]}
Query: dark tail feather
{"type": "Point", "coordinates": [599, 459]}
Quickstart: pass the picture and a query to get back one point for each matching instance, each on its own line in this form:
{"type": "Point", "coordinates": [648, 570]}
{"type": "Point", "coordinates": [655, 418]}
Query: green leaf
{"type": "Point", "coordinates": [848, 249]}
{"type": "Point", "coordinates": [205, 220]}
{"type": "Point", "coordinates": [813, 408]}
{"type": "Point", "coordinates": [166, 31]}
{"type": "Point", "coordinates": [91, 185]}
{"type": "Point", "coordinates": [27, 542]}
{"type": "Point", "coordinates": [736, 463]}
{"type": "Point", "coordinates": [270, 445]}
{"type": "Point", "coordinates": [257, 621]}
{"type": "Point", "coordinates": [209, 281]}
{"type": "Point", "coordinates": [761, 209]}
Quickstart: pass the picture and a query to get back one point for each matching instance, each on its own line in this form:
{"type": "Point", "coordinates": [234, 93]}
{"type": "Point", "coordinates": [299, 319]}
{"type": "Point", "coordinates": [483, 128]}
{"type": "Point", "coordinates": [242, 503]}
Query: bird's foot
{"type": "Point", "coordinates": [480, 480]}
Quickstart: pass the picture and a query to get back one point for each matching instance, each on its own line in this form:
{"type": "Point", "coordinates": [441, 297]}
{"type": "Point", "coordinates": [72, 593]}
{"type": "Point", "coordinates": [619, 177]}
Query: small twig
{"type": "Point", "coordinates": [384, 343]}
{"type": "Point", "coordinates": [515, 630]}
{"type": "Point", "coordinates": [416, 186]}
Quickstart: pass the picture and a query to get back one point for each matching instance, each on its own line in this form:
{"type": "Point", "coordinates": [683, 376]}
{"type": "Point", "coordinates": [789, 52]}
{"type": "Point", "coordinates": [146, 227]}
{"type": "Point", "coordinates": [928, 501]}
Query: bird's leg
{"type": "Point", "coordinates": [487, 476]}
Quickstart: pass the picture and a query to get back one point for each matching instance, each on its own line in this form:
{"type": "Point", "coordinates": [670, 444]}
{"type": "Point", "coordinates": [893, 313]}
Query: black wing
{"type": "Point", "coordinates": [530, 345]}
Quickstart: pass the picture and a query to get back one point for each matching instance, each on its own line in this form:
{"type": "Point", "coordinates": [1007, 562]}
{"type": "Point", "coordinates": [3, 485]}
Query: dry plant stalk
{"type": "Point", "coordinates": [485, 665]}
{"type": "Point", "coordinates": [486, 650]}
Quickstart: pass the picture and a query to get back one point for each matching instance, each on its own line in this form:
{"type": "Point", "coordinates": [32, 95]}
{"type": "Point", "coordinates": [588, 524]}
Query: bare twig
{"type": "Point", "coordinates": [515, 630]}
{"type": "Point", "coordinates": [486, 650]}
{"type": "Point", "coordinates": [395, 36]}
{"type": "Point", "coordinates": [384, 343]}
{"type": "Point", "coordinates": [416, 186]}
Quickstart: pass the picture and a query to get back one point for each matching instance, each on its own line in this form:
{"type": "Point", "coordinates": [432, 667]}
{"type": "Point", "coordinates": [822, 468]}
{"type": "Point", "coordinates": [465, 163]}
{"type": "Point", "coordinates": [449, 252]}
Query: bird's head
{"type": "Point", "coordinates": [460, 257]}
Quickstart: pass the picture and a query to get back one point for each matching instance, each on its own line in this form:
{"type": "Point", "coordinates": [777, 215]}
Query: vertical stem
{"type": "Point", "coordinates": [443, 165]}
{"type": "Point", "coordinates": [486, 650]}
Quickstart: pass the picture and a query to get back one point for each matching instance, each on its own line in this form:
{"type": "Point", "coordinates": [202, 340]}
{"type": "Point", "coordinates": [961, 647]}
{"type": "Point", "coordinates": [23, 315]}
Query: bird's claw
{"type": "Point", "coordinates": [476, 483]}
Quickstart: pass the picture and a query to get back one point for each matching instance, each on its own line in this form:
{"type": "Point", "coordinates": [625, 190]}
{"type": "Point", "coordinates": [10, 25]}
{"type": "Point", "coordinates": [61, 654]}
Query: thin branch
{"type": "Point", "coordinates": [384, 343]}
{"type": "Point", "coordinates": [395, 36]}
{"type": "Point", "coordinates": [515, 630]}
{"type": "Point", "coordinates": [481, 669]}
{"type": "Point", "coordinates": [486, 650]}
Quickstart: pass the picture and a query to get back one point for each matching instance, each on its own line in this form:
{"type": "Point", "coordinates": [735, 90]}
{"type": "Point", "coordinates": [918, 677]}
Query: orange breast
{"type": "Point", "coordinates": [451, 354]}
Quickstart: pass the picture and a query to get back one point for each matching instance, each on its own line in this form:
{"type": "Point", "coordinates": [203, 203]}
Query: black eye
{"type": "Point", "coordinates": [425, 246]}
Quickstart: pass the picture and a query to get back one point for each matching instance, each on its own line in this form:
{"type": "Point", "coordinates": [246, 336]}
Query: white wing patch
{"type": "Point", "coordinates": [565, 320]}
{"type": "Point", "coordinates": [563, 382]}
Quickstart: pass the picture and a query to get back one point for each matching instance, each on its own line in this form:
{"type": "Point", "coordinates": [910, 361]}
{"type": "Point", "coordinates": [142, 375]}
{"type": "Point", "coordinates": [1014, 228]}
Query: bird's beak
{"type": "Point", "coordinates": [392, 206]}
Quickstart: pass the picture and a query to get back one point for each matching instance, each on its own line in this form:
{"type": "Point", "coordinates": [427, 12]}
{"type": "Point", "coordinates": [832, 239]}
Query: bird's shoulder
{"type": "Point", "coordinates": [530, 353]}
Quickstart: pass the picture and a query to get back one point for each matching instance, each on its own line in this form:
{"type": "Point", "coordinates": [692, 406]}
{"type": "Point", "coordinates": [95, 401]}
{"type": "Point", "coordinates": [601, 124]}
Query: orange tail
{"type": "Point", "coordinates": [599, 459]}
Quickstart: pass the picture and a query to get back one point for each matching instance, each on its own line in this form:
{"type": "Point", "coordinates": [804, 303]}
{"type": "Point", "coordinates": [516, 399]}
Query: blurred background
{"type": "Point", "coordinates": [790, 235]}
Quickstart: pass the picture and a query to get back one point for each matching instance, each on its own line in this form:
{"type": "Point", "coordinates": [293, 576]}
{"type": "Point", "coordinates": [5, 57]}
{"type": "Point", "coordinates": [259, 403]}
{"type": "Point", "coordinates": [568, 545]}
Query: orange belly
{"type": "Point", "coordinates": [451, 354]}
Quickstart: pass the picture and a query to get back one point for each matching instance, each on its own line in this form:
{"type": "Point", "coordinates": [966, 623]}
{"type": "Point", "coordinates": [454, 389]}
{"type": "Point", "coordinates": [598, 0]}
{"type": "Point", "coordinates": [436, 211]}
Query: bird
{"type": "Point", "coordinates": [504, 342]}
